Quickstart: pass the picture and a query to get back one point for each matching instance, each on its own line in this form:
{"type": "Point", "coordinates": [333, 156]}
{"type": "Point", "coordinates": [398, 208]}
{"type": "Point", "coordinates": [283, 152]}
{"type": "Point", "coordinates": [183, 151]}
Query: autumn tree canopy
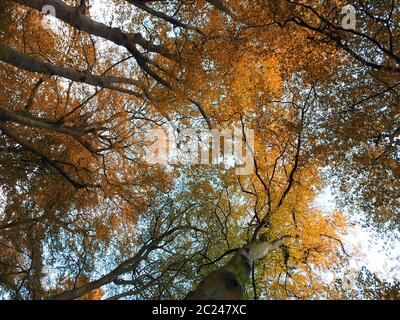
{"type": "Point", "coordinates": [85, 215]}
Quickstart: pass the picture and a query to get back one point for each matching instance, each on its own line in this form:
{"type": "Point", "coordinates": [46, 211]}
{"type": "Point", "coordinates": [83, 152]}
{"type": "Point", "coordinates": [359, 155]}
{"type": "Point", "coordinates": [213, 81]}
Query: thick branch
{"type": "Point", "coordinates": [73, 16]}
{"type": "Point", "coordinates": [126, 266]}
{"type": "Point", "coordinates": [30, 121]}
{"type": "Point", "coordinates": [163, 16]}
{"type": "Point", "coordinates": [52, 163]}
{"type": "Point", "coordinates": [28, 63]}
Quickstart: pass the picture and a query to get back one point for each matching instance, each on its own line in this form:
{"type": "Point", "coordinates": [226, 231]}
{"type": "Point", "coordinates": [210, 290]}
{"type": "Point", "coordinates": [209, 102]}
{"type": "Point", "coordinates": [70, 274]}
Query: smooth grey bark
{"type": "Point", "coordinates": [31, 64]}
{"type": "Point", "coordinates": [229, 282]}
{"type": "Point", "coordinates": [127, 266]}
{"type": "Point", "coordinates": [74, 17]}
{"type": "Point", "coordinates": [47, 124]}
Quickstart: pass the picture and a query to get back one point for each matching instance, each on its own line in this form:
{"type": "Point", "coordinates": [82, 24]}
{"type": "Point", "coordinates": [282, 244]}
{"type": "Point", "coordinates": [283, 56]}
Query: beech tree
{"type": "Point", "coordinates": [84, 215]}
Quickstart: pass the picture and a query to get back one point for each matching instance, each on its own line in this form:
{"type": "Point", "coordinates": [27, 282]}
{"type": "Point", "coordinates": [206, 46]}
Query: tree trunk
{"type": "Point", "coordinates": [229, 282]}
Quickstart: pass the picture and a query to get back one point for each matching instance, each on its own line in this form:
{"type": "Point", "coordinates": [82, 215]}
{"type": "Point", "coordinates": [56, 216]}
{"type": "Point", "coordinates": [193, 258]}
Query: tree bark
{"type": "Point", "coordinates": [31, 64]}
{"type": "Point", "coordinates": [126, 266]}
{"type": "Point", "coordinates": [229, 282]}
{"type": "Point", "coordinates": [74, 17]}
